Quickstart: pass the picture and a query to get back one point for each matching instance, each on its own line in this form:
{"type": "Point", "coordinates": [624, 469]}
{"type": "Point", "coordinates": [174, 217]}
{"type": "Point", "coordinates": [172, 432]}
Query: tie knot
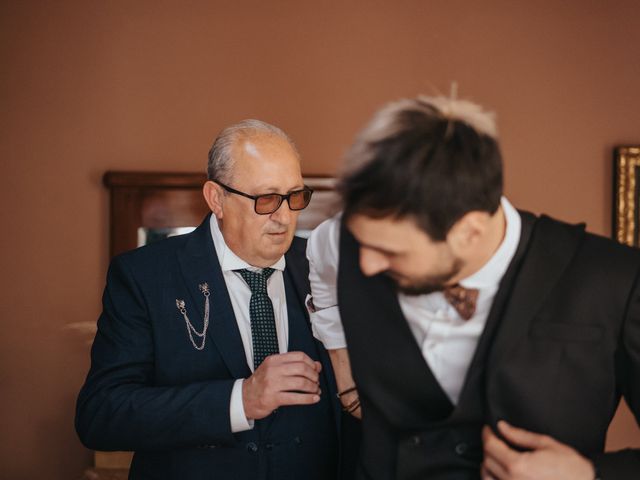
{"type": "Point", "coordinates": [257, 281]}
{"type": "Point", "coordinates": [462, 299]}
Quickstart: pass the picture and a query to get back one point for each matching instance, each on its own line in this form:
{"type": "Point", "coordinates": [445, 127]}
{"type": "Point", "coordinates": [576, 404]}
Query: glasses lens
{"type": "Point", "coordinates": [266, 204]}
{"type": "Point", "coordinates": [299, 200]}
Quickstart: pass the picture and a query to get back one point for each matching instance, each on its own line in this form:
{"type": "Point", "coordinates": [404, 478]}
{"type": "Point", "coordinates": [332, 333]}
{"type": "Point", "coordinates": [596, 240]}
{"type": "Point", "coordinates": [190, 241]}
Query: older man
{"type": "Point", "coordinates": [484, 340]}
{"type": "Point", "coordinates": [203, 362]}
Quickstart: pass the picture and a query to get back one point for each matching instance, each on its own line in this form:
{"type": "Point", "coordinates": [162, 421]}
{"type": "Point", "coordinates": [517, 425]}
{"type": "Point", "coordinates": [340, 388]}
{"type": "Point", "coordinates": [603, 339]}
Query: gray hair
{"type": "Point", "coordinates": [220, 164]}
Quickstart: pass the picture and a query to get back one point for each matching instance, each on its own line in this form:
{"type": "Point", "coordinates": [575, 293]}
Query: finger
{"type": "Point", "coordinates": [274, 368]}
{"type": "Point", "coordinates": [298, 369]}
{"type": "Point", "coordinates": [523, 438]}
{"type": "Point", "coordinates": [298, 384]}
{"type": "Point", "coordinates": [290, 398]}
{"type": "Point", "coordinates": [318, 366]}
{"type": "Point", "coordinates": [497, 449]}
{"type": "Point", "coordinates": [486, 433]}
{"type": "Point", "coordinates": [484, 474]}
{"type": "Point", "coordinates": [493, 469]}
{"type": "Point", "coordinates": [295, 357]}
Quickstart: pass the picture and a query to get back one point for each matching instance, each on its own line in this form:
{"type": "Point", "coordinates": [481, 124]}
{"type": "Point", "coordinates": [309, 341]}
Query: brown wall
{"type": "Point", "coordinates": [88, 86]}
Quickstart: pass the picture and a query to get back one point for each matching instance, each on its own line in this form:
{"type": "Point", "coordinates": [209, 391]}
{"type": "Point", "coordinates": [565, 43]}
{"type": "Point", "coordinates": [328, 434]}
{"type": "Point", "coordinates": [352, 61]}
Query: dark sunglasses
{"type": "Point", "coordinates": [268, 203]}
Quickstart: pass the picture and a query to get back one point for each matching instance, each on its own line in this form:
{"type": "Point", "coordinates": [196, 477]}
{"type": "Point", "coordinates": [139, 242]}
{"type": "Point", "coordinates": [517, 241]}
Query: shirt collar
{"type": "Point", "coordinates": [491, 272]}
{"type": "Point", "coordinates": [227, 258]}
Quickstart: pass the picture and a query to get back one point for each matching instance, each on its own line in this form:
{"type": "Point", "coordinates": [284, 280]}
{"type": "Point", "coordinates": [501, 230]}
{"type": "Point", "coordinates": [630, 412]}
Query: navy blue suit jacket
{"type": "Point", "coordinates": [151, 391]}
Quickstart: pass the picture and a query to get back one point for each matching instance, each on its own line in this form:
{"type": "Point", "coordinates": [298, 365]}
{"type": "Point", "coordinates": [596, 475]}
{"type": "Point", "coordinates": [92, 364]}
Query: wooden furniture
{"type": "Point", "coordinates": [152, 200]}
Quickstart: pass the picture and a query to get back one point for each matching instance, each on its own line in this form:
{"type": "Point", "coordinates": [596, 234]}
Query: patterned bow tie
{"type": "Point", "coordinates": [462, 299]}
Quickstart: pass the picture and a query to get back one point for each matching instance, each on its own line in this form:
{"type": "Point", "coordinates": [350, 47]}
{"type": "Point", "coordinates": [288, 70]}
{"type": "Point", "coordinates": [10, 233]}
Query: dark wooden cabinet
{"type": "Point", "coordinates": [152, 200]}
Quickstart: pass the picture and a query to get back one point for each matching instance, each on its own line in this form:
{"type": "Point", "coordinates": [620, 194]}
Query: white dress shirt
{"type": "Point", "coordinates": [446, 340]}
{"type": "Point", "coordinates": [240, 295]}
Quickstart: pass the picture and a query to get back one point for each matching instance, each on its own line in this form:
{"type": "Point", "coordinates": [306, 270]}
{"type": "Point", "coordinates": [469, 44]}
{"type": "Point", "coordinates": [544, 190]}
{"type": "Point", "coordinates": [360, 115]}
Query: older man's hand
{"type": "Point", "coordinates": [285, 379]}
{"type": "Point", "coordinates": [546, 458]}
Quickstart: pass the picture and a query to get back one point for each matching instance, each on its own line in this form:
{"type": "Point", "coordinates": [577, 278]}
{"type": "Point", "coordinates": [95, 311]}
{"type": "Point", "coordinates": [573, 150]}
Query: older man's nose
{"type": "Point", "coordinates": [283, 214]}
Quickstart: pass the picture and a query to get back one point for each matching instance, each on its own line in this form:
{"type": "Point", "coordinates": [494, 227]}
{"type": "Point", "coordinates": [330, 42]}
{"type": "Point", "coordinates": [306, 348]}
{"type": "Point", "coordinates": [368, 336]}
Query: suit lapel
{"type": "Point", "coordinates": [551, 248]}
{"type": "Point", "coordinates": [199, 264]}
{"type": "Point", "coordinates": [297, 271]}
{"type": "Point", "coordinates": [475, 374]}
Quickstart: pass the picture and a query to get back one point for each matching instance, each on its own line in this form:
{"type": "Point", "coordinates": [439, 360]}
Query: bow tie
{"type": "Point", "coordinates": [462, 299]}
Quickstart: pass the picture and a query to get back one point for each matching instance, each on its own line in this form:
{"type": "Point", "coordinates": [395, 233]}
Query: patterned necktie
{"type": "Point", "coordinates": [462, 299]}
{"type": "Point", "coordinates": [263, 322]}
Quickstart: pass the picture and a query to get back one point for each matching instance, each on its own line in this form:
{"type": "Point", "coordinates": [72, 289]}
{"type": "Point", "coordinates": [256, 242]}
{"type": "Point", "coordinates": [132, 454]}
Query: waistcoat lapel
{"type": "Point", "coordinates": [550, 251]}
{"type": "Point", "coordinates": [387, 363]}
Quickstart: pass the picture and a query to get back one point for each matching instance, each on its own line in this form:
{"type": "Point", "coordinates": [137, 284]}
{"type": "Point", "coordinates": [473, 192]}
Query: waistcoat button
{"type": "Point", "coordinates": [461, 448]}
{"type": "Point", "coordinates": [252, 447]}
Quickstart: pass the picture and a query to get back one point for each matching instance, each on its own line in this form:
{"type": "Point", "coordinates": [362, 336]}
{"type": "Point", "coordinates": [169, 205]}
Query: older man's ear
{"type": "Point", "coordinates": [214, 196]}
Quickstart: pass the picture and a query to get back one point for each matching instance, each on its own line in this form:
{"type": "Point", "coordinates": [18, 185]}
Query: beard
{"type": "Point", "coordinates": [428, 283]}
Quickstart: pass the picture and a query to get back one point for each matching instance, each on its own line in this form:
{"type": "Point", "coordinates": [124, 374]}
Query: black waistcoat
{"type": "Point", "coordinates": [411, 430]}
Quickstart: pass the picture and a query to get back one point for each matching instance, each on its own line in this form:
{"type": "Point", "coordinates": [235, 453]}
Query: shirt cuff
{"type": "Point", "coordinates": [326, 326]}
{"type": "Point", "coordinates": [239, 421]}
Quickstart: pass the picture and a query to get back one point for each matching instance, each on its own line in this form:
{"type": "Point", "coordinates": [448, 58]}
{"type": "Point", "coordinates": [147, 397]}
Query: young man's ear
{"type": "Point", "coordinates": [468, 231]}
{"type": "Point", "coordinates": [214, 196]}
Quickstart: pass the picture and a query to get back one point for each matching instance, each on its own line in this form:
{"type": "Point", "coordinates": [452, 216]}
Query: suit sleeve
{"type": "Point", "coordinates": [625, 464]}
{"type": "Point", "coordinates": [120, 407]}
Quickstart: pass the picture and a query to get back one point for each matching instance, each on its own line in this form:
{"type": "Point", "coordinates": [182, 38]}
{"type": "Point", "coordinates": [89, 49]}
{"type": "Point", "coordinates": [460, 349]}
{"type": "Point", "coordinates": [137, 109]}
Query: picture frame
{"type": "Point", "coordinates": [626, 192]}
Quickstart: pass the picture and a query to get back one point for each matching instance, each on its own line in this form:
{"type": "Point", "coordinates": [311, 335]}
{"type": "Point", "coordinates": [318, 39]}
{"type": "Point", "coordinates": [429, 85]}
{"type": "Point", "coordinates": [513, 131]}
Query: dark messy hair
{"type": "Point", "coordinates": [430, 159]}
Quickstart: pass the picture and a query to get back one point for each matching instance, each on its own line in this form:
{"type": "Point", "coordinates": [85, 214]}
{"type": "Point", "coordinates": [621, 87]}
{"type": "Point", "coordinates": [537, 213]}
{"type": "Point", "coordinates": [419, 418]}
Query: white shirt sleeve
{"type": "Point", "coordinates": [239, 421]}
{"type": "Point", "coordinates": [322, 253]}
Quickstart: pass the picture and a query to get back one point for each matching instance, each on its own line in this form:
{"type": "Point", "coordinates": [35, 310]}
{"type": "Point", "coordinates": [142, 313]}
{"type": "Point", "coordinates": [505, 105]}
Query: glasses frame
{"type": "Point", "coordinates": [255, 198]}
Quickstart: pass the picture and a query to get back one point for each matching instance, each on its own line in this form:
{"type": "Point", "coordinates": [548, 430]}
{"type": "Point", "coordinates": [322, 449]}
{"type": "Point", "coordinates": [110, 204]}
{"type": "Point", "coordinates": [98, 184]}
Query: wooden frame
{"type": "Point", "coordinates": [626, 191]}
{"type": "Point", "coordinates": [151, 200]}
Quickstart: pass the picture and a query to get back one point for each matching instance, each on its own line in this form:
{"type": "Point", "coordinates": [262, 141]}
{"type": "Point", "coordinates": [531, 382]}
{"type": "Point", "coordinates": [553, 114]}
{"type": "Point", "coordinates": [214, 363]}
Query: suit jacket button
{"type": "Point", "coordinates": [461, 448]}
{"type": "Point", "coordinates": [252, 447]}
{"type": "Point", "coordinates": [297, 440]}
{"type": "Point", "coordinates": [415, 440]}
